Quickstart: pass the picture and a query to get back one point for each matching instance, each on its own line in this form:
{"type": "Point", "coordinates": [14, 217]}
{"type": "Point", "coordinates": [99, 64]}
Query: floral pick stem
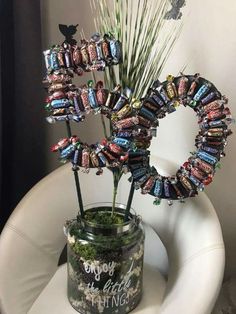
{"type": "Point", "coordinates": [76, 176]}
{"type": "Point", "coordinates": [131, 195]}
{"type": "Point", "coordinates": [116, 179]}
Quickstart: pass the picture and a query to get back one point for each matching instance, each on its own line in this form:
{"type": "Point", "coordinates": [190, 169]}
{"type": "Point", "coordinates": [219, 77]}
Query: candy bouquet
{"type": "Point", "coordinates": [106, 241]}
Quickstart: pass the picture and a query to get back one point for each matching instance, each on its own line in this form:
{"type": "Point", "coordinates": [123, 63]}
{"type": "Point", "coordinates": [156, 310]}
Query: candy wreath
{"type": "Point", "coordinates": [213, 119]}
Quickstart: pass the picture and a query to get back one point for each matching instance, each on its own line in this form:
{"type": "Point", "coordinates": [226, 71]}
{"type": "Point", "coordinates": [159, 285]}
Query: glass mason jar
{"type": "Point", "coordinates": [105, 263]}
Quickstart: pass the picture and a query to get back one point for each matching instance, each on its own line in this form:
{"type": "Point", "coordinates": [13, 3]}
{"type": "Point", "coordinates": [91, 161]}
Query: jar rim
{"type": "Point", "coordinates": [92, 227]}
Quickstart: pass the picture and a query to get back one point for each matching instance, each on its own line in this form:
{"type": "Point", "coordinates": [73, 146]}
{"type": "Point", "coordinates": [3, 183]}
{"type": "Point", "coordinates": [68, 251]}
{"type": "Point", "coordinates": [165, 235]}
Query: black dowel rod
{"type": "Point", "coordinates": [68, 128]}
{"type": "Point", "coordinates": [131, 194]}
{"type": "Point", "coordinates": [81, 206]}
{"type": "Point", "coordinates": [76, 176]}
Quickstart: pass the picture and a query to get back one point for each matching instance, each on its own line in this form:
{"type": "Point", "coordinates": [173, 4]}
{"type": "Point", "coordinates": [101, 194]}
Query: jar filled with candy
{"type": "Point", "coordinates": [105, 260]}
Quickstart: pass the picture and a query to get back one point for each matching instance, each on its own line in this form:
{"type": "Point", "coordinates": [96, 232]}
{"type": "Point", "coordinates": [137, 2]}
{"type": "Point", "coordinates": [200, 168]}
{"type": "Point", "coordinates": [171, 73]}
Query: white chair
{"type": "Point", "coordinates": [32, 241]}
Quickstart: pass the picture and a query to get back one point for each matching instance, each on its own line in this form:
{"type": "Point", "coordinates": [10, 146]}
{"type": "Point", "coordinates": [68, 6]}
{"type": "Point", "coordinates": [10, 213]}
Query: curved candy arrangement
{"type": "Point", "coordinates": [95, 54]}
{"type": "Point", "coordinates": [132, 121]}
{"type": "Point", "coordinates": [213, 119]}
{"type": "Point", "coordinates": [72, 103]}
{"type": "Point", "coordinates": [124, 144]}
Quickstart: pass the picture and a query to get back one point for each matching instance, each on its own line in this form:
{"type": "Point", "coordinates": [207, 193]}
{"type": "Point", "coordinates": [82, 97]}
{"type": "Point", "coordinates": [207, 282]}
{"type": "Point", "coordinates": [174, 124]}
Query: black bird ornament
{"type": "Point", "coordinates": [68, 32]}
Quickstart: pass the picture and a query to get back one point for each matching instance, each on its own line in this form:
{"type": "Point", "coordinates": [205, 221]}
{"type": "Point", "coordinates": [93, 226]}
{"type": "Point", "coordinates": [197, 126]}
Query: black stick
{"type": "Point", "coordinates": [68, 129]}
{"type": "Point", "coordinates": [78, 190]}
{"type": "Point", "coordinates": [131, 194]}
{"type": "Point", "coordinates": [76, 176]}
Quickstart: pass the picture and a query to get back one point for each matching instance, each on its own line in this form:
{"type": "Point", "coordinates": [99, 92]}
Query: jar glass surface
{"type": "Point", "coordinates": [105, 263]}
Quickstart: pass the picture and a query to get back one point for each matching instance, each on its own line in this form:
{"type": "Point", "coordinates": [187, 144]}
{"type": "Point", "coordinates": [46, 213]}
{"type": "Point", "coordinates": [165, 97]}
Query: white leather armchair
{"type": "Point", "coordinates": [33, 239]}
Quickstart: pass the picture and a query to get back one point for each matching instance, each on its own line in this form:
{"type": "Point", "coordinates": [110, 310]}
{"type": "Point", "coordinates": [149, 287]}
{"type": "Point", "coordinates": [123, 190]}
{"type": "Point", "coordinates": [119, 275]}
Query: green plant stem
{"type": "Point", "coordinates": [115, 189]}
{"type": "Point", "coordinates": [130, 199]}
{"type": "Point", "coordinates": [117, 174]}
{"type": "Point", "coordinates": [76, 177]}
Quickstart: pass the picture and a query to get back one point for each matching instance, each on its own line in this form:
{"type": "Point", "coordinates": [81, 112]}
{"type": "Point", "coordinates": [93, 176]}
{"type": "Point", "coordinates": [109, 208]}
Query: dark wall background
{"type": "Point", "coordinates": [22, 132]}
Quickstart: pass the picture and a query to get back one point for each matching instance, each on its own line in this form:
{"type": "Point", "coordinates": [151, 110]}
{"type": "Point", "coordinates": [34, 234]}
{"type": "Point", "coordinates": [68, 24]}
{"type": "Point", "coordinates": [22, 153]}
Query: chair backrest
{"type": "Point", "coordinates": [33, 239]}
